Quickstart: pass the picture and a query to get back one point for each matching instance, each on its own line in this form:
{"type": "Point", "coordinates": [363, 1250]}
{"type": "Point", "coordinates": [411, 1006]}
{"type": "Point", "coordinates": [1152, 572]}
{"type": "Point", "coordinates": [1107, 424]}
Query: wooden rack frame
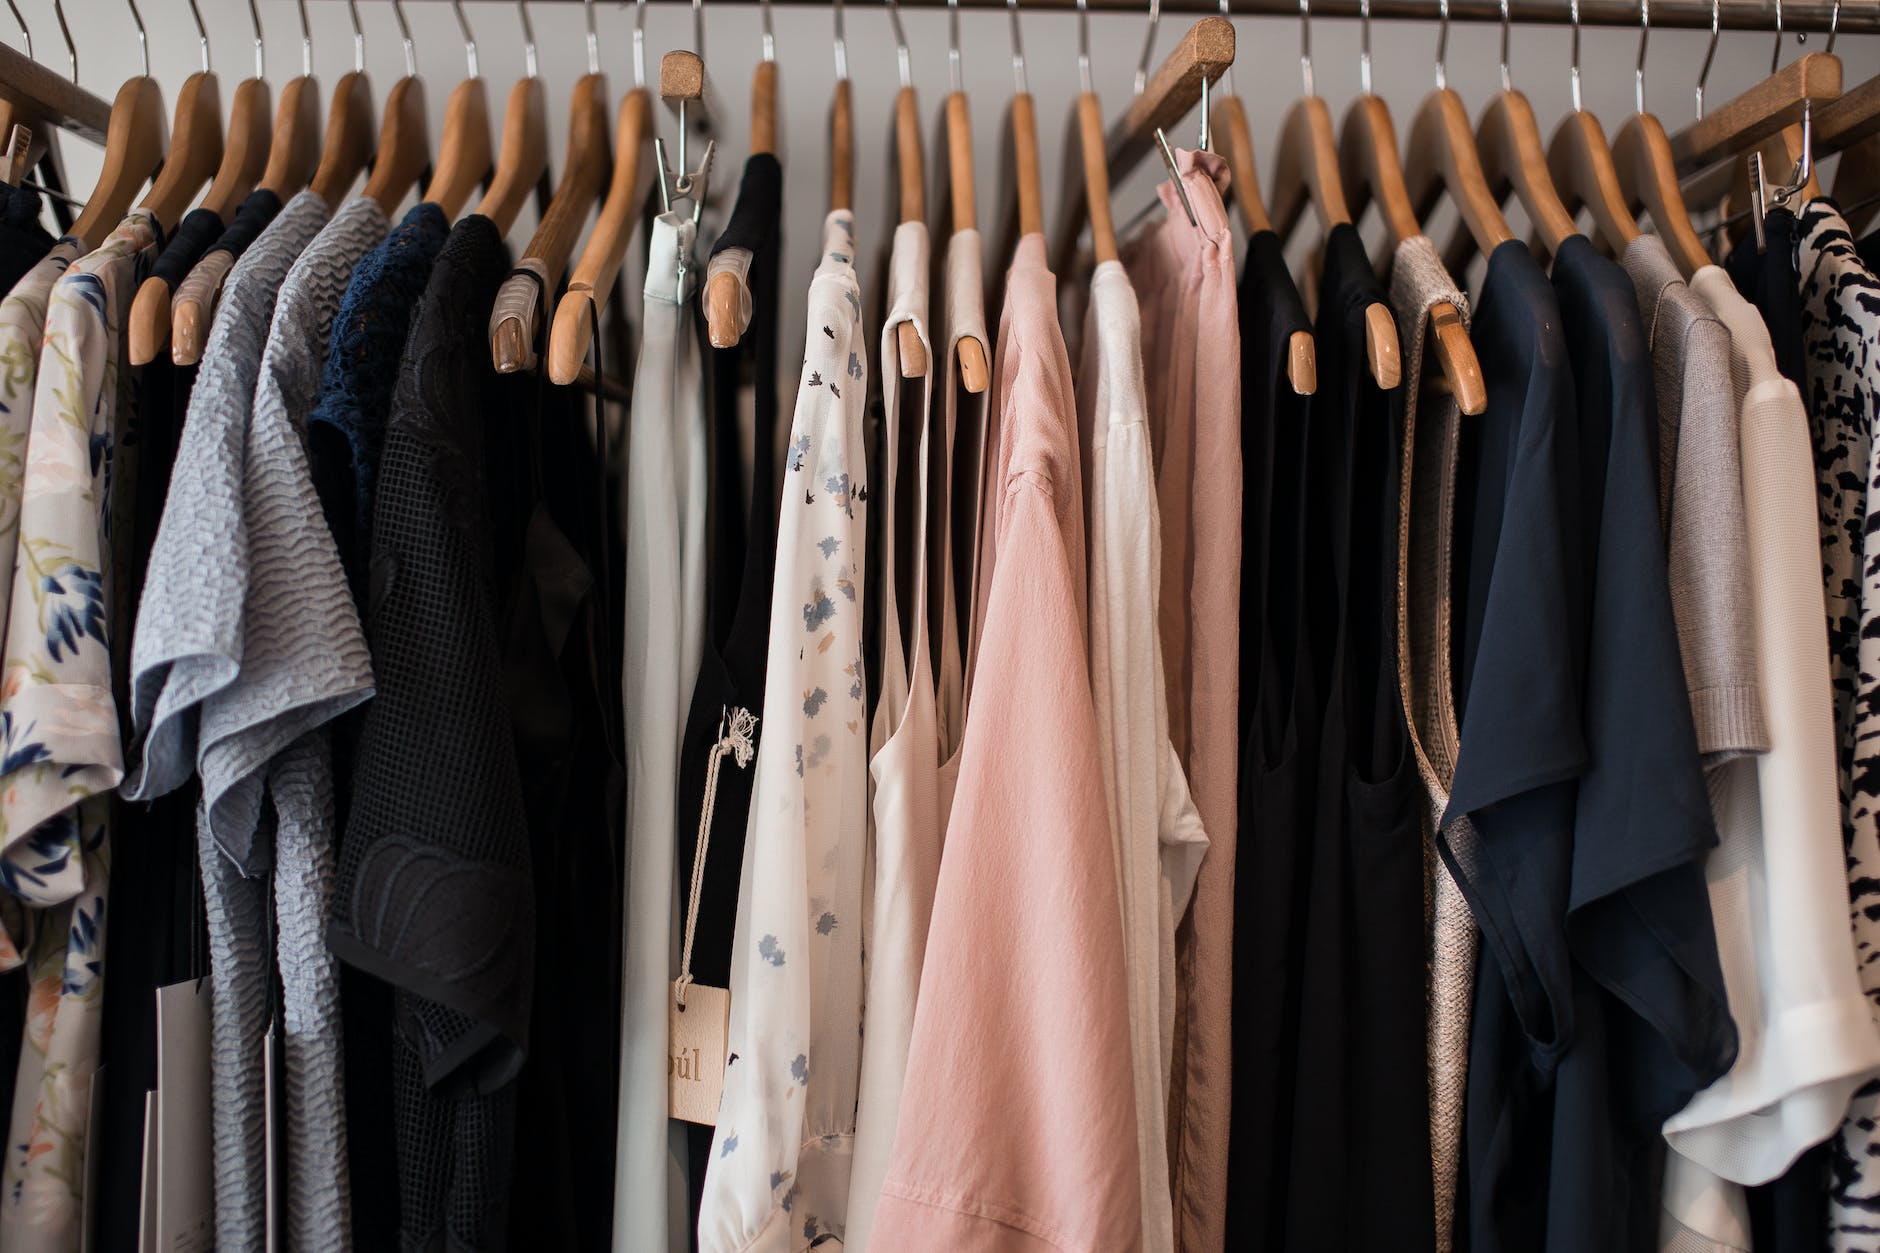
{"type": "Point", "coordinates": [1857, 16]}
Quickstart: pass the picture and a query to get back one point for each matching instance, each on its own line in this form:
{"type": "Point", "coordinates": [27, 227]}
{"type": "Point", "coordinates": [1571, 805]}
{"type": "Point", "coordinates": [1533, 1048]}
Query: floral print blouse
{"type": "Point", "coordinates": [780, 1159]}
{"type": "Point", "coordinates": [61, 752]}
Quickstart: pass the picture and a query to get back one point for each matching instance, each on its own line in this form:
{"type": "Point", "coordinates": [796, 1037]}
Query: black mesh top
{"type": "Point", "coordinates": [23, 241]}
{"type": "Point", "coordinates": [436, 892]}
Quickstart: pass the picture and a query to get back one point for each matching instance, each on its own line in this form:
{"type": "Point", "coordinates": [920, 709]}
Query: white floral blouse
{"type": "Point", "coordinates": [62, 753]}
{"type": "Point", "coordinates": [780, 1158]}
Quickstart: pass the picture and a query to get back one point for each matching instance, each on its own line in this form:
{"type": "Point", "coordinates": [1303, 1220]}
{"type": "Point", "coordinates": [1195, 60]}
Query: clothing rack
{"type": "Point", "coordinates": [1856, 16]}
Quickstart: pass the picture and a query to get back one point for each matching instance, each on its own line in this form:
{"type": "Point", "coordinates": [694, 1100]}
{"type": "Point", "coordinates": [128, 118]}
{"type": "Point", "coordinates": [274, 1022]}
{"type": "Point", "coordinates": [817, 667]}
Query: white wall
{"type": "Point", "coordinates": [1267, 78]}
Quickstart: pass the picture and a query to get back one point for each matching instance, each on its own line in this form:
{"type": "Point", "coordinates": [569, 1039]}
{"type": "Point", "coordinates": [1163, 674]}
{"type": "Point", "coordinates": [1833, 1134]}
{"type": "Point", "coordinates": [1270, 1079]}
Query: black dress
{"type": "Point", "coordinates": [740, 564]}
{"type": "Point", "coordinates": [1278, 720]}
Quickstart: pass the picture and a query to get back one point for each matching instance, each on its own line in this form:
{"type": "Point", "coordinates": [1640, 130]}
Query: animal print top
{"type": "Point", "coordinates": [1841, 334]}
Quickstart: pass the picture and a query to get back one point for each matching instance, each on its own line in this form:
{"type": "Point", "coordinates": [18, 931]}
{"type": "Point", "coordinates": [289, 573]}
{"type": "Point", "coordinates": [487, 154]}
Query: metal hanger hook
{"type": "Point", "coordinates": [469, 40]}
{"type": "Point", "coordinates": [1834, 25]}
{"type": "Point", "coordinates": [1442, 46]}
{"type": "Point", "coordinates": [900, 44]}
{"type": "Point", "coordinates": [143, 37]}
{"type": "Point", "coordinates": [528, 39]}
{"type": "Point", "coordinates": [1507, 79]}
{"type": "Point", "coordinates": [1305, 46]}
{"type": "Point", "coordinates": [261, 50]}
{"type": "Point", "coordinates": [359, 39]}
{"type": "Point", "coordinates": [639, 43]}
{"type": "Point", "coordinates": [1710, 53]}
{"type": "Point", "coordinates": [593, 38]}
{"type": "Point", "coordinates": [1644, 40]}
{"type": "Point", "coordinates": [1083, 44]}
{"type": "Point", "coordinates": [1227, 73]}
{"type": "Point", "coordinates": [953, 45]}
{"type": "Point", "coordinates": [698, 29]}
{"type": "Point", "coordinates": [1148, 46]}
{"type": "Point", "coordinates": [769, 31]}
{"type": "Point", "coordinates": [1021, 82]}
{"type": "Point", "coordinates": [1573, 69]}
{"type": "Point", "coordinates": [202, 34]}
{"type": "Point", "coordinates": [841, 43]}
{"type": "Point", "coordinates": [1775, 54]}
{"type": "Point", "coordinates": [1364, 46]}
{"type": "Point", "coordinates": [65, 29]}
{"type": "Point", "coordinates": [306, 41]}
{"type": "Point", "coordinates": [404, 32]}
{"type": "Point", "coordinates": [25, 35]}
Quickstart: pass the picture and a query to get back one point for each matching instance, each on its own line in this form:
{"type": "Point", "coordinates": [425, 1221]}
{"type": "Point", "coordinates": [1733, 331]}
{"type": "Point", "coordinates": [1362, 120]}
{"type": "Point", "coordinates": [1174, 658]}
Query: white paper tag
{"type": "Point", "coordinates": [185, 1139]}
{"type": "Point", "coordinates": [696, 1044]}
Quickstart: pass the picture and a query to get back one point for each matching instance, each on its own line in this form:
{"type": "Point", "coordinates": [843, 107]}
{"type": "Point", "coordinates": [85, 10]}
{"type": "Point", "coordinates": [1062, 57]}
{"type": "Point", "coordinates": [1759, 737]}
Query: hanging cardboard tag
{"type": "Point", "coordinates": [695, 1060]}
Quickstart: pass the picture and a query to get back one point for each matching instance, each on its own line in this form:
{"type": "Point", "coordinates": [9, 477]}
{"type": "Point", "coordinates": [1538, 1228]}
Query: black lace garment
{"type": "Point", "coordinates": [436, 889]}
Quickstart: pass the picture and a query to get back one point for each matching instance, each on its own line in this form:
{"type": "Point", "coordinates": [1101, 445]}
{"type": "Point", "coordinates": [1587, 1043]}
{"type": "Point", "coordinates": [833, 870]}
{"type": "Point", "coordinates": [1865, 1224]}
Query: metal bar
{"type": "Point", "coordinates": [1857, 16]}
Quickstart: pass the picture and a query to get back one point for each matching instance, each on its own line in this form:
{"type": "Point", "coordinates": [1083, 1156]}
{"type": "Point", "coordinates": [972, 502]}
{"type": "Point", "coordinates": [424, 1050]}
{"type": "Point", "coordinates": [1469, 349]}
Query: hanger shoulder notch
{"type": "Point", "coordinates": [149, 321]}
{"type": "Point", "coordinates": [404, 144]}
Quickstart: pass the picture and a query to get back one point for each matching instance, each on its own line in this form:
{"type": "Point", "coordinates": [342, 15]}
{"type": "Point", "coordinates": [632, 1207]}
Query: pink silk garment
{"type": "Point", "coordinates": [1017, 1132]}
{"type": "Point", "coordinates": [1184, 277]}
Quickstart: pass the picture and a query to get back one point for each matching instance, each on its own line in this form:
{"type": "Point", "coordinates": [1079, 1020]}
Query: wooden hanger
{"type": "Point", "coordinates": [913, 187]}
{"type": "Point", "coordinates": [1168, 96]}
{"type": "Point", "coordinates": [523, 160]}
{"type": "Point", "coordinates": [1371, 172]}
{"type": "Point", "coordinates": [1857, 184]}
{"type": "Point", "coordinates": [724, 293]}
{"type": "Point", "coordinates": [133, 147]}
{"type": "Point", "coordinates": [584, 169]}
{"type": "Point", "coordinates": [46, 103]}
{"type": "Point", "coordinates": [1514, 158]}
{"type": "Point", "coordinates": [465, 152]}
{"type": "Point", "coordinates": [195, 150]}
{"type": "Point", "coordinates": [1443, 158]}
{"type": "Point", "coordinates": [1850, 126]}
{"type": "Point", "coordinates": [349, 135]}
{"type": "Point", "coordinates": [1770, 106]}
{"type": "Point", "coordinates": [1584, 171]}
{"type": "Point", "coordinates": [404, 148]}
{"type": "Point", "coordinates": [294, 152]}
{"type": "Point", "coordinates": [593, 278]}
{"type": "Point", "coordinates": [1306, 168]}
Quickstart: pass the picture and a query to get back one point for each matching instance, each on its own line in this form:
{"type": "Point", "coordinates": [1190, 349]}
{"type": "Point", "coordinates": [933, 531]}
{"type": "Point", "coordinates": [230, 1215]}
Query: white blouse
{"type": "Point", "coordinates": [781, 1155]}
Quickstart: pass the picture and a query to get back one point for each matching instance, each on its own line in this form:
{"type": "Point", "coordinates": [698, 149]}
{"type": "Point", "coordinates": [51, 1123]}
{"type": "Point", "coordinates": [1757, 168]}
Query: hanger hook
{"type": "Point", "coordinates": [1021, 81]}
{"type": "Point", "coordinates": [953, 45]}
{"type": "Point", "coordinates": [1305, 46]}
{"type": "Point", "coordinates": [1083, 45]}
{"type": "Point", "coordinates": [1148, 46]}
{"type": "Point", "coordinates": [841, 41]}
{"type": "Point", "coordinates": [1507, 79]}
{"type": "Point", "coordinates": [65, 29]}
{"type": "Point", "coordinates": [698, 30]}
{"type": "Point", "coordinates": [528, 39]}
{"type": "Point", "coordinates": [1834, 25]}
{"type": "Point", "coordinates": [1710, 53]}
{"type": "Point", "coordinates": [404, 32]}
{"type": "Point", "coordinates": [769, 31]}
{"type": "Point", "coordinates": [25, 35]}
{"type": "Point", "coordinates": [261, 51]}
{"type": "Point", "coordinates": [469, 40]}
{"type": "Point", "coordinates": [1775, 54]}
{"type": "Point", "coordinates": [306, 41]}
{"type": "Point", "coordinates": [202, 34]}
{"type": "Point", "coordinates": [143, 37]}
{"type": "Point", "coordinates": [593, 38]}
{"type": "Point", "coordinates": [1364, 46]}
{"type": "Point", "coordinates": [1572, 74]}
{"type": "Point", "coordinates": [1442, 45]}
{"type": "Point", "coordinates": [359, 39]}
{"type": "Point", "coordinates": [639, 43]}
{"type": "Point", "coordinates": [900, 44]}
{"type": "Point", "coordinates": [1644, 39]}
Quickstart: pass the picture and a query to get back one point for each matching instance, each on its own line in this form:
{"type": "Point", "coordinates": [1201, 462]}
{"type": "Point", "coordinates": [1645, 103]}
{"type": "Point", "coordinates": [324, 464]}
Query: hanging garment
{"type": "Point", "coordinates": [1425, 541]}
{"type": "Point", "coordinates": [194, 234]}
{"type": "Point", "coordinates": [61, 721]}
{"type": "Point", "coordinates": [742, 536]}
{"type": "Point", "coordinates": [205, 278]}
{"type": "Point", "coordinates": [263, 746]}
{"type": "Point", "coordinates": [1790, 1214]}
{"type": "Point", "coordinates": [1278, 742]}
{"type": "Point", "coordinates": [188, 646]}
{"type": "Point", "coordinates": [957, 488]}
{"type": "Point", "coordinates": [1840, 317]}
{"type": "Point", "coordinates": [1194, 405]}
{"type": "Point", "coordinates": [1806, 1032]}
{"type": "Point", "coordinates": [664, 636]}
{"type": "Point", "coordinates": [435, 895]}
{"type": "Point", "coordinates": [783, 1149]}
{"type": "Point", "coordinates": [24, 243]}
{"type": "Point", "coordinates": [980, 1158]}
{"type": "Point", "coordinates": [1159, 842]}
{"type": "Point", "coordinates": [1615, 990]}
{"type": "Point", "coordinates": [903, 863]}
